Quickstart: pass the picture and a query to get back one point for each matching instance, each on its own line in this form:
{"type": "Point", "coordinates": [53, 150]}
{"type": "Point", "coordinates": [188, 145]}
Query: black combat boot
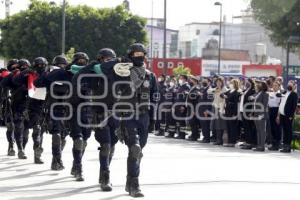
{"type": "Point", "coordinates": [11, 151]}
{"type": "Point", "coordinates": [21, 155]}
{"type": "Point", "coordinates": [128, 180]}
{"type": "Point", "coordinates": [104, 181]}
{"type": "Point", "coordinates": [73, 169]}
{"type": "Point", "coordinates": [57, 164]}
{"type": "Point", "coordinates": [78, 173]}
{"type": "Point", "coordinates": [37, 155]}
{"type": "Point", "coordinates": [134, 188]}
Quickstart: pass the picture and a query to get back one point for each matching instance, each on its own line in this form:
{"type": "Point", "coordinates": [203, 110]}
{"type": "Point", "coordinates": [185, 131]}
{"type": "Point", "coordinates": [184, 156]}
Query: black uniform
{"type": "Point", "coordinates": [169, 101]}
{"type": "Point", "coordinates": [161, 112]}
{"type": "Point", "coordinates": [6, 114]}
{"type": "Point", "coordinates": [194, 122]}
{"type": "Point", "coordinates": [99, 119]}
{"type": "Point", "coordinates": [180, 109]}
{"type": "Point", "coordinates": [33, 114]}
{"type": "Point", "coordinates": [205, 109]}
{"type": "Point", "coordinates": [18, 107]}
{"type": "Point", "coordinates": [57, 124]}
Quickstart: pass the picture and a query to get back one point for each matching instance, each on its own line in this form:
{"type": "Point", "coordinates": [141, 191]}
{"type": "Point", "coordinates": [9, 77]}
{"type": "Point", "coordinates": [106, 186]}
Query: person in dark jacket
{"type": "Point", "coordinates": [260, 114]}
{"type": "Point", "coordinates": [58, 94]}
{"type": "Point", "coordinates": [78, 133]}
{"type": "Point", "coordinates": [18, 106]}
{"type": "Point", "coordinates": [286, 115]}
{"type": "Point", "coordinates": [169, 101]}
{"type": "Point", "coordinates": [161, 114]}
{"type": "Point", "coordinates": [134, 122]}
{"type": "Point", "coordinates": [34, 106]}
{"type": "Point", "coordinates": [232, 97]}
{"type": "Point", "coordinates": [180, 109]}
{"type": "Point", "coordinates": [7, 114]}
{"type": "Point", "coordinates": [205, 109]}
{"type": "Point", "coordinates": [92, 86]}
{"type": "Point", "coordinates": [192, 100]}
{"type": "Point", "coordinates": [245, 112]}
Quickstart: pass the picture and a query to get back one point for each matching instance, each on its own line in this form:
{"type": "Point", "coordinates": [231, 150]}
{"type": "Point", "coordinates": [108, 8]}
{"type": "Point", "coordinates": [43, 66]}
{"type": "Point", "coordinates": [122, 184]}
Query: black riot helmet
{"type": "Point", "coordinates": [40, 64]}
{"type": "Point", "coordinates": [24, 64]}
{"type": "Point", "coordinates": [80, 58]}
{"type": "Point", "coordinates": [137, 47]}
{"type": "Point", "coordinates": [12, 64]}
{"type": "Point", "coordinates": [60, 61]}
{"type": "Point", "coordinates": [137, 60]}
{"type": "Point", "coordinates": [40, 61]}
{"type": "Point", "coordinates": [106, 54]}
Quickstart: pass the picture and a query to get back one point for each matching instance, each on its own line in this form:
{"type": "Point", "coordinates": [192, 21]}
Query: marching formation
{"type": "Point", "coordinates": [118, 99]}
{"type": "Point", "coordinates": [109, 96]}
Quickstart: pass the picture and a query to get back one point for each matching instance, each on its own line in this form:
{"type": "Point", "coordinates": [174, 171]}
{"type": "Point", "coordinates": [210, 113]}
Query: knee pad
{"type": "Point", "coordinates": [105, 150]}
{"type": "Point", "coordinates": [78, 144]}
{"type": "Point", "coordinates": [56, 140]}
{"type": "Point", "coordinates": [135, 152]}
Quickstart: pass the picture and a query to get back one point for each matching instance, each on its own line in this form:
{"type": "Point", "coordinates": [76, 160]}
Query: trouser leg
{"type": "Point", "coordinates": [205, 126]}
{"type": "Point", "coordinates": [194, 124]}
{"type": "Point", "coordinates": [10, 134]}
{"type": "Point", "coordinates": [261, 132]}
{"type": "Point", "coordinates": [275, 127]}
{"type": "Point", "coordinates": [287, 125]}
{"type": "Point", "coordinates": [171, 125]}
{"type": "Point", "coordinates": [232, 126]}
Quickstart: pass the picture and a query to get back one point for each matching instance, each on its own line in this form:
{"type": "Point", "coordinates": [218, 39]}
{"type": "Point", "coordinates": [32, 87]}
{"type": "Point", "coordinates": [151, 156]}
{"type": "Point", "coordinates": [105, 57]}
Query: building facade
{"type": "Point", "coordinates": [155, 34]}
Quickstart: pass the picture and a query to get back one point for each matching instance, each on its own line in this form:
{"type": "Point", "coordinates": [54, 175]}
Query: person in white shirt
{"type": "Point", "coordinates": [274, 102]}
{"type": "Point", "coordinates": [286, 115]}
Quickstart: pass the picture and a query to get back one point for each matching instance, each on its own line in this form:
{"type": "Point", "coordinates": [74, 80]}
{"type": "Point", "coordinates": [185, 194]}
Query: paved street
{"type": "Point", "coordinates": [171, 169]}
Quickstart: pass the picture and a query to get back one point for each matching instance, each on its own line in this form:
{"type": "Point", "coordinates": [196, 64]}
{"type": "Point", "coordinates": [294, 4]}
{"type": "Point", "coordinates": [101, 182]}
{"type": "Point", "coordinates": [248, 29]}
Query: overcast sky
{"type": "Point", "coordinates": [180, 12]}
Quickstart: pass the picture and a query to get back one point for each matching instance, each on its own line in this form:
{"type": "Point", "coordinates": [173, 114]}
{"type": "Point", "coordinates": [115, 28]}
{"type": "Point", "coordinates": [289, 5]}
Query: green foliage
{"type": "Point", "coordinates": [280, 17]}
{"type": "Point", "coordinates": [37, 30]}
{"type": "Point", "coordinates": [70, 54]}
{"type": "Point", "coordinates": [181, 71]}
{"type": "Point", "coordinates": [296, 144]}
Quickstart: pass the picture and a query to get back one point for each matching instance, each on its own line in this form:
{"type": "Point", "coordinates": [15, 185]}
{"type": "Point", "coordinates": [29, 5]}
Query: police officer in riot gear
{"type": "Point", "coordinates": [34, 107]}
{"type": "Point", "coordinates": [6, 106]}
{"type": "Point", "coordinates": [105, 55]}
{"type": "Point", "coordinates": [181, 93]}
{"type": "Point", "coordinates": [105, 135]}
{"type": "Point", "coordinates": [103, 125]}
{"type": "Point", "coordinates": [161, 123]}
{"type": "Point", "coordinates": [18, 107]}
{"type": "Point", "coordinates": [57, 124]}
{"type": "Point", "coordinates": [135, 121]}
{"type": "Point", "coordinates": [169, 101]}
{"type": "Point", "coordinates": [79, 134]}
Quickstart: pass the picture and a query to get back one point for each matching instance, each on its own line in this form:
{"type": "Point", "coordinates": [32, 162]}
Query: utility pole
{"type": "Point", "coordinates": [220, 36]}
{"type": "Point", "coordinates": [63, 35]}
{"type": "Point", "coordinates": [165, 39]}
{"type": "Point", "coordinates": [151, 45]}
{"type": "Point", "coordinates": [7, 8]}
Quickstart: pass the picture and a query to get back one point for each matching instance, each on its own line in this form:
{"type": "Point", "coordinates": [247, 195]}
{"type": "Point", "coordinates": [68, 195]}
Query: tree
{"type": "Point", "coordinates": [181, 71]}
{"type": "Point", "coordinates": [70, 54]}
{"type": "Point", "coordinates": [281, 18]}
{"type": "Point", "coordinates": [37, 30]}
